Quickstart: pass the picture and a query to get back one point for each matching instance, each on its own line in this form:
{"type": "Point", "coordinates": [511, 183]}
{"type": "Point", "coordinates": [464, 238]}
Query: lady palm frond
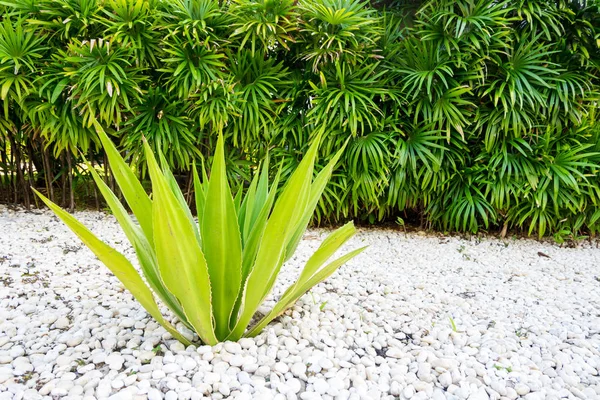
{"type": "Point", "coordinates": [264, 25]}
{"type": "Point", "coordinates": [369, 153]}
{"type": "Point", "coordinates": [188, 66]}
{"type": "Point", "coordinates": [509, 170]}
{"type": "Point", "coordinates": [337, 29]}
{"type": "Point", "coordinates": [579, 45]}
{"type": "Point", "coordinates": [434, 94]}
{"type": "Point", "coordinates": [19, 8]}
{"type": "Point", "coordinates": [465, 204]}
{"type": "Point", "coordinates": [424, 69]}
{"type": "Point", "coordinates": [195, 20]}
{"type": "Point", "coordinates": [258, 84]}
{"type": "Point", "coordinates": [215, 104]}
{"type": "Point", "coordinates": [131, 24]}
{"type": "Point", "coordinates": [63, 127]}
{"type": "Point", "coordinates": [368, 159]}
{"type": "Point", "coordinates": [567, 92]}
{"type": "Point", "coordinates": [523, 75]}
{"type": "Point", "coordinates": [451, 111]}
{"type": "Point", "coordinates": [103, 79]}
{"type": "Point", "coordinates": [465, 28]}
{"type": "Point", "coordinates": [495, 125]}
{"type": "Point", "coordinates": [394, 30]}
{"type": "Point", "coordinates": [419, 146]}
{"type": "Point", "coordinates": [163, 121]}
{"type": "Point", "coordinates": [538, 16]}
{"type": "Point", "coordinates": [20, 52]}
{"type": "Point", "coordinates": [68, 19]}
{"type": "Point", "coordinates": [347, 97]}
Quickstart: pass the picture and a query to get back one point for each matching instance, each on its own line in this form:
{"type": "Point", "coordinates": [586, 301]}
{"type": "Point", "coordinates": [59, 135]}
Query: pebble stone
{"type": "Point", "coordinates": [416, 316]}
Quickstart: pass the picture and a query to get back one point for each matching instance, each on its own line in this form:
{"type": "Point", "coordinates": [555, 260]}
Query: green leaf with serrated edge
{"type": "Point", "coordinates": [255, 200]}
{"type": "Point", "coordinates": [291, 296]}
{"type": "Point", "coordinates": [261, 194]}
{"type": "Point", "coordinates": [316, 191]}
{"type": "Point", "coordinates": [118, 265]}
{"type": "Point", "coordinates": [178, 194]}
{"type": "Point", "coordinates": [221, 243]}
{"type": "Point", "coordinates": [199, 195]}
{"type": "Point", "coordinates": [200, 188]}
{"type": "Point", "coordinates": [250, 248]}
{"type": "Point", "coordinates": [257, 230]}
{"type": "Point", "coordinates": [329, 246]}
{"type": "Point", "coordinates": [130, 186]}
{"type": "Point", "coordinates": [301, 203]}
{"type": "Point", "coordinates": [237, 201]}
{"type": "Point", "coordinates": [180, 258]}
{"type": "Point", "coordinates": [287, 212]}
{"type": "Point", "coordinates": [245, 209]}
{"type": "Point", "coordinates": [141, 246]}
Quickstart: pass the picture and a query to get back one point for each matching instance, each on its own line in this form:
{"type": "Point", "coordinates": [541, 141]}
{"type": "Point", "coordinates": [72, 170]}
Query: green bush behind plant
{"type": "Point", "coordinates": [471, 114]}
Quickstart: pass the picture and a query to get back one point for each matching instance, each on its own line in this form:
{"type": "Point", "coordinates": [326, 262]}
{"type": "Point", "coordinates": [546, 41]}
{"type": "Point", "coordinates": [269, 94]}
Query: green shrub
{"type": "Point", "coordinates": [214, 274]}
{"type": "Point", "coordinates": [469, 114]}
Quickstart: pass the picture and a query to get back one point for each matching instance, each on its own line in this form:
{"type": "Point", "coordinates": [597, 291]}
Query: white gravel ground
{"type": "Point", "coordinates": [525, 325]}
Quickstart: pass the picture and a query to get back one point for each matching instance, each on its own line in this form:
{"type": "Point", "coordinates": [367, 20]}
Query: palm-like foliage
{"type": "Point", "coordinates": [163, 121]}
{"type": "Point", "coordinates": [346, 97]}
{"type": "Point", "coordinates": [190, 65]}
{"type": "Point", "coordinates": [257, 84]}
{"type": "Point", "coordinates": [337, 29]}
{"type": "Point", "coordinates": [103, 80]}
{"type": "Point", "coordinates": [64, 19]}
{"type": "Point", "coordinates": [20, 53]}
{"type": "Point", "coordinates": [467, 114]}
{"type": "Point", "coordinates": [131, 24]}
{"type": "Point", "coordinates": [264, 25]}
{"type": "Point", "coordinates": [195, 20]}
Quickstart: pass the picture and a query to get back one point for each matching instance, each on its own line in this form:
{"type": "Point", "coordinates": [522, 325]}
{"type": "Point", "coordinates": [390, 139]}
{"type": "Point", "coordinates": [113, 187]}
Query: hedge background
{"type": "Point", "coordinates": [460, 115]}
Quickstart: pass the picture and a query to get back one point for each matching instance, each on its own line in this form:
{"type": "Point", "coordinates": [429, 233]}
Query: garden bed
{"type": "Point", "coordinates": [415, 316]}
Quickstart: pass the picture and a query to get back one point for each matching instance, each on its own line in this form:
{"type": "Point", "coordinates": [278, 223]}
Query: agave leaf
{"type": "Point", "coordinates": [180, 259]}
{"type": "Point", "coordinates": [130, 186]}
{"type": "Point", "coordinates": [260, 196]}
{"type": "Point", "coordinates": [221, 243]}
{"type": "Point", "coordinates": [329, 246]}
{"type": "Point", "coordinates": [199, 195]}
{"type": "Point", "coordinates": [246, 207]}
{"type": "Point", "coordinates": [329, 269]}
{"type": "Point", "coordinates": [118, 265]}
{"type": "Point", "coordinates": [300, 202]}
{"type": "Point", "coordinates": [250, 247]}
{"type": "Point", "coordinates": [178, 194]}
{"type": "Point", "coordinates": [316, 191]}
{"type": "Point", "coordinates": [287, 212]}
{"type": "Point", "coordinates": [142, 248]}
{"type": "Point", "coordinates": [254, 201]}
{"type": "Point", "coordinates": [258, 228]}
{"type": "Point", "coordinates": [237, 201]}
{"type": "Point", "coordinates": [299, 289]}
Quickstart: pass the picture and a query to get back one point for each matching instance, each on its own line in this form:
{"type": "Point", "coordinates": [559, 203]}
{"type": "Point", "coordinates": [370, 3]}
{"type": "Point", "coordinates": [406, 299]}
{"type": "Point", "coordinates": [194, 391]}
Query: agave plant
{"type": "Point", "coordinates": [213, 274]}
